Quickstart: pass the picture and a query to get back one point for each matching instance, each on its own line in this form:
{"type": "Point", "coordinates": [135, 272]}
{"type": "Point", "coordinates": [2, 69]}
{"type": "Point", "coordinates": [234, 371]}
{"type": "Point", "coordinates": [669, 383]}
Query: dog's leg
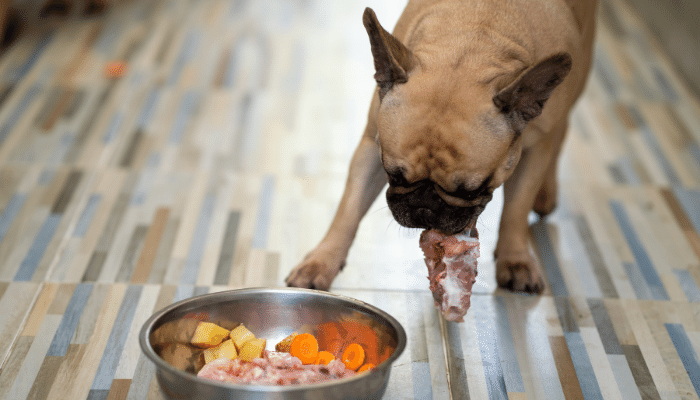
{"type": "Point", "coordinates": [516, 267]}
{"type": "Point", "coordinates": [546, 200]}
{"type": "Point", "coordinates": [366, 179]}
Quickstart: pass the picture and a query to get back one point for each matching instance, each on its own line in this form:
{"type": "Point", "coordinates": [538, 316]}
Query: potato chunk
{"type": "Point", "coordinates": [286, 343]}
{"type": "Point", "coordinates": [240, 335]}
{"type": "Point", "coordinates": [226, 349]}
{"type": "Point", "coordinates": [252, 349]}
{"type": "Point", "coordinates": [208, 334]}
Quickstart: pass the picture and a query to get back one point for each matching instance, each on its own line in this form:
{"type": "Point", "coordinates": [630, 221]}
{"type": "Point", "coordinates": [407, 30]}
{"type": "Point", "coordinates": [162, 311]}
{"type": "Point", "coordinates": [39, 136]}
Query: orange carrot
{"type": "Point", "coordinates": [305, 347]}
{"type": "Point", "coordinates": [353, 356]}
{"type": "Point", "coordinates": [362, 334]}
{"type": "Point", "coordinates": [324, 357]}
{"type": "Point", "coordinates": [365, 367]}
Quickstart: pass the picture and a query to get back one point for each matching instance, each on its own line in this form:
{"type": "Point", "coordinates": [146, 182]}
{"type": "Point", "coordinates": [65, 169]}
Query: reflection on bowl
{"type": "Point", "coordinates": [272, 314]}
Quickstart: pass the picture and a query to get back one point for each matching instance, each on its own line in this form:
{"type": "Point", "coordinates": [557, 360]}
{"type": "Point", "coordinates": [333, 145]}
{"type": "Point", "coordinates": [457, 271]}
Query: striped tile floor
{"type": "Point", "coordinates": [216, 162]}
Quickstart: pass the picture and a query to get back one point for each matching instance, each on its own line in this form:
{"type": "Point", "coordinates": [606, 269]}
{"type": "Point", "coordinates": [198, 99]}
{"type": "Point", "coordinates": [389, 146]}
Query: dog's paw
{"type": "Point", "coordinates": [317, 271]}
{"type": "Point", "coordinates": [519, 271]}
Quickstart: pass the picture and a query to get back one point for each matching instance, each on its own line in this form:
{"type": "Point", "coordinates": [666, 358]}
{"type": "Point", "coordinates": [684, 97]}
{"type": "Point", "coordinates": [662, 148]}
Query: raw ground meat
{"type": "Point", "coordinates": [274, 368]}
{"type": "Point", "coordinates": [451, 262]}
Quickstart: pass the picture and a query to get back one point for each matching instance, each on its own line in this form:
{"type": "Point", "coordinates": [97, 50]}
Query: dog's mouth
{"type": "Point", "coordinates": [423, 208]}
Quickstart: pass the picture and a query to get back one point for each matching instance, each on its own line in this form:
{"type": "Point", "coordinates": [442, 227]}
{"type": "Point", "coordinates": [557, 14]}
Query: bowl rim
{"type": "Point", "coordinates": [144, 341]}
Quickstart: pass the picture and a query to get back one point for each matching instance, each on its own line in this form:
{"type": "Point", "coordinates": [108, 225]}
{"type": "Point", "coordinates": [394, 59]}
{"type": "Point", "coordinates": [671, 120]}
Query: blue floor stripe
{"type": "Point", "coordinates": [262, 221]}
{"type": "Point", "coordinates": [686, 352]}
{"type": "Point", "coordinates": [509, 357]}
{"type": "Point", "coordinates": [664, 84]}
{"type": "Point", "coordinates": [582, 364]}
{"type": "Point", "coordinates": [16, 114]}
{"type": "Point", "coordinates": [627, 168]}
{"type": "Point", "coordinates": [549, 259]}
{"type": "Point", "coordinates": [46, 177]}
{"type": "Point", "coordinates": [86, 217]}
{"type": "Point", "coordinates": [109, 34]}
{"type": "Point", "coordinates": [641, 289]}
{"type": "Point", "coordinates": [113, 128]}
{"type": "Point", "coordinates": [420, 371]}
{"type": "Point", "coordinates": [189, 47]}
{"type": "Point", "coordinates": [541, 351]}
{"type": "Point", "coordinates": [64, 145]}
{"type": "Point", "coordinates": [184, 114]}
{"type": "Point", "coordinates": [183, 292]}
{"type": "Point", "coordinates": [692, 293]}
{"type": "Point", "coordinates": [145, 183]}
{"type": "Point", "coordinates": [11, 210]}
{"type": "Point", "coordinates": [232, 66]}
{"type": "Point", "coordinates": [694, 150]}
{"type": "Point", "coordinates": [117, 338]}
{"type": "Point", "coordinates": [24, 68]}
{"type": "Point", "coordinates": [690, 201]}
{"type": "Point", "coordinates": [654, 145]}
{"type": "Point", "coordinates": [36, 251]}
{"type": "Point", "coordinates": [199, 239]}
{"type": "Point", "coordinates": [148, 108]}
{"type": "Point", "coordinates": [487, 330]}
{"type": "Point", "coordinates": [606, 74]}
{"type": "Point", "coordinates": [69, 322]}
{"type": "Point", "coordinates": [605, 327]}
{"type": "Point", "coordinates": [652, 278]}
{"type": "Point", "coordinates": [199, 290]}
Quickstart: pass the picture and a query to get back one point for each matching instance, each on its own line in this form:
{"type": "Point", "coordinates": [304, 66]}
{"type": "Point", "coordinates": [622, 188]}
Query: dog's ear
{"type": "Point", "coordinates": [392, 60]}
{"type": "Point", "coordinates": [525, 97]}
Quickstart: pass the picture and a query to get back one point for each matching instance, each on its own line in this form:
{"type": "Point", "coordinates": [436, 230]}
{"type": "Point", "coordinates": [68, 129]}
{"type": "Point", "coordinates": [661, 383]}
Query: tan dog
{"type": "Point", "coordinates": [459, 110]}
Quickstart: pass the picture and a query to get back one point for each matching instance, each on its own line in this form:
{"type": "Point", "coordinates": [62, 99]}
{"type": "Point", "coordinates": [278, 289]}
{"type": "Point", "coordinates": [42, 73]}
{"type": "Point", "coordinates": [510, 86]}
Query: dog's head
{"type": "Point", "coordinates": [448, 140]}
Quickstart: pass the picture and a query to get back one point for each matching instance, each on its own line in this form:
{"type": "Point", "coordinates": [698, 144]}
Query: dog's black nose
{"type": "Point", "coordinates": [424, 216]}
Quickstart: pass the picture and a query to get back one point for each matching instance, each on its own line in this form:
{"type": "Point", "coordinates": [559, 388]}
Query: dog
{"type": "Point", "coordinates": [471, 95]}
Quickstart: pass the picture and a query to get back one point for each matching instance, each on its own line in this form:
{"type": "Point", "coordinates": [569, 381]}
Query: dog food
{"type": "Point", "coordinates": [296, 361]}
{"type": "Point", "coordinates": [451, 262]}
{"type": "Point", "coordinates": [228, 351]}
{"type": "Point", "coordinates": [273, 368]}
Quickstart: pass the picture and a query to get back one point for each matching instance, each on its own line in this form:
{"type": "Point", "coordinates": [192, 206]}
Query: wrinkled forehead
{"type": "Point", "coordinates": [431, 134]}
{"type": "Point", "coordinates": [454, 123]}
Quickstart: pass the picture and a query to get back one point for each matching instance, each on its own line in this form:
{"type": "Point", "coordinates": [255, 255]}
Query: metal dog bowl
{"type": "Point", "coordinates": [272, 314]}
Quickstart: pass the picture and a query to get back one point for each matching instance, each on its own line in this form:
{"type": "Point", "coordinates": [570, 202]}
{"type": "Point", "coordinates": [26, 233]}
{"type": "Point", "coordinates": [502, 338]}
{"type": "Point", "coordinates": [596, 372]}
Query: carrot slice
{"type": "Point", "coordinates": [353, 356]}
{"type": "Point", "coordinates": [366, 367]}
{"type": "Point", "coordinates": [362, 334]}
{"type": "Point", "coordinates": [324, 357]}
{"type": "Point", "coordinates": [304, 347]}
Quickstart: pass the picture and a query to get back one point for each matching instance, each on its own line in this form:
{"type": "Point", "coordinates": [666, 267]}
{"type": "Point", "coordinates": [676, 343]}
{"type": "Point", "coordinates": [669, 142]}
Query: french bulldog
{"type": "Point", "coordinates": [471, 95]}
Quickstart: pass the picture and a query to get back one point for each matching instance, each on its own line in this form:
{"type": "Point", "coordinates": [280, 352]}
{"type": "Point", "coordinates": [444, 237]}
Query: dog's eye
{"type": "Point", "coordinates": [397, 179]}
{"type": "Point", "coordinates": [466, 194]}
{"type": "Point", "coordinates": [470, 195]}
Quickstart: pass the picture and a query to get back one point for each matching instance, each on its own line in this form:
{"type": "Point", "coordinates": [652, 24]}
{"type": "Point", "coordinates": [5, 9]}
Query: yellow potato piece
{"type": "Point", "coordinates": [208, 334]}
{"type": "Point", "coordinates": [286, 343]}
{"type": "Point", "coordinates": [240, 335]}
{"type": "Point", "coordinates": [225, 350]}
{"type": "Point", "coordinates": [252, 349]}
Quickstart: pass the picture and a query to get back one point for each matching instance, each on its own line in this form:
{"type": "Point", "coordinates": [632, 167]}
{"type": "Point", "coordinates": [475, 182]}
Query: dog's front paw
{"type": "Point", "coordinates": [519, 271]}
{"type": "Point", "coordinates": [317, 271]}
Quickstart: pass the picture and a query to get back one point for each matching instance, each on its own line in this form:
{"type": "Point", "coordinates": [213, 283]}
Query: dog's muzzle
{"type": "Point", "coordinates": [422, 207]}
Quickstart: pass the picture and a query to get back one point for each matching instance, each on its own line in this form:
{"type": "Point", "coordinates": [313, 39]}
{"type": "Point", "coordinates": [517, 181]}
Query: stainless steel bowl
{"type": "Point", "coordinates": [273, 314]}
